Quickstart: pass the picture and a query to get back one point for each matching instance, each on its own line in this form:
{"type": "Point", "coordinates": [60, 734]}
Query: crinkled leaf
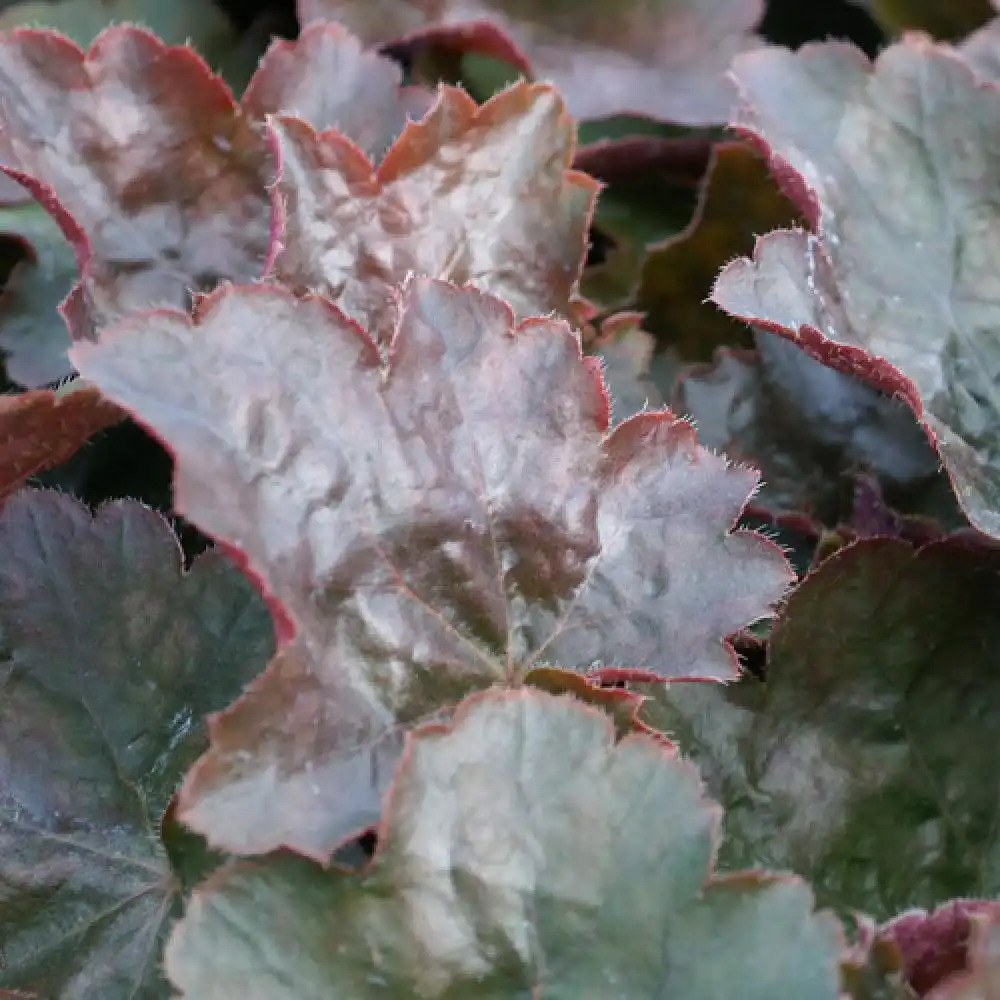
{"type": "Point", "coordinates": [523, 854]}
{"type": "Point", "coordinates": [33, 335]}
{"type": "Point", "coordinates": [736, 412]}
{"type": "Point", "coordinates": [738, 200]}
{"type": "Point", "coordinates": [140, 155]}
{"type": "Point", "coordinates": [474, 194]}
{"type": "Point", "coordinates": [109, 656]}
{"type": "Point", "coordinates": [666, 59]}
{"type": "Point", "coordinates": [626, 352]}
{"type": "Point", "coordinates": [866, 757]}
{"type": "Point", "coordinates": [199, 23]}
{"type": "Point", "coordinates": [43, 428]}
{"type": "Point", "coordinates": [330, 81]}
{"type": "Point", "coordinates": [899, 286]}
{"type": "Point", "coordinates": [430, 527]}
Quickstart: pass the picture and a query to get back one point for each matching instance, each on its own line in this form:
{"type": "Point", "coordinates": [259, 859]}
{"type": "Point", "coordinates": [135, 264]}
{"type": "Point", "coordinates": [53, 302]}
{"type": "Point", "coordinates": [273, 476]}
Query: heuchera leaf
{"type": "Point", "coordinates": [523, 854]}
{"type": "Point", "coordinates": [472, 194]}
{"type": "Point", "coordinates": [33, 335]}
{"type": "Point", "coordinates": [903, 295]}
{"type": "Point", "coordinates": [42, 428]}
{"type": "Point", "coordinates": [738, 200]}
{"type": "Point", "coordinates": [802, 424]}
{"type": "Point", "coordinates": [665, 59]}
{"type": "Point", "coordinates": [981, 50]}
{"type": "Point", "coordinates": [430, 525]}
{"type": "Point", "coordinates": [845, 762]}
{"type": "Point", "coordinates": [137, 151]}
{"type": "Point", "coordinates": [982, 979]}
{"type": "Point", "coordinates": [939, 946]}
{"type": "Point", "coordinates": [186, 204]}
{"type": "Point", "coordinates": [330, 81]}
{"type": "Point", "coordinates": [736, 412]}
{"type": "Point", "coordinates": [110, 656]}
{"type": "Point", "coordinates": [626, 351]}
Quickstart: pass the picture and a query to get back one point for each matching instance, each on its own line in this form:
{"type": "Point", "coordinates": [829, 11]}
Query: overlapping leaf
{"type": "Point", "coordinates": [473, 194]}
{"type": "Point", "coordinates": [139, 154]}
{"type": "Point", "coordinates": [155, 175]}
{"type": "Point", "coordinates": [846, 763]}
{"type": "Point", "coordinates": [327, 79]}
{"type": "Point", "coordinates": [523, 855]}
{"type": "Point", "coordinates": [430, 527]}
{"type": "Point", "coordinates": [109, 656]}
{"type": "Point", "coordinates": [899, 283]}
{"type": "Point", "coordinates": [626, 352]}
{"type": "Point", "coordinates": [33, 336]}
{"type": "Point", "coordinates": [738, 200]}
{"type": "Point", "coordinates": [40, 429]}
{"type": "Point", "coordinates": [666, 59]}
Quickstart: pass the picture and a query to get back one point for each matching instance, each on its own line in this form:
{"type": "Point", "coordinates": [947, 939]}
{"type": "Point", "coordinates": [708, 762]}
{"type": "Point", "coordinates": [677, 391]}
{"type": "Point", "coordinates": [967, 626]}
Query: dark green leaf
{"type": "Point", "coordinates": [109, 657]}
{"type": "Point", "coordinates": [866, 759]}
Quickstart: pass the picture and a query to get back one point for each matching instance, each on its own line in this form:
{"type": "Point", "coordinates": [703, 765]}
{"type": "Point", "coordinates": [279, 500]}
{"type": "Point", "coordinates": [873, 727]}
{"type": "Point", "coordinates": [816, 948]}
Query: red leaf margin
{"type": "Point", "coordinates": [184, 61]}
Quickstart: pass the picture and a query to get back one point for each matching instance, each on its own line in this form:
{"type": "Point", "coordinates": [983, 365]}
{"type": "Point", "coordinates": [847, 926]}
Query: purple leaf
{"type": "Point", "coordinates": [42, 428]}
{"type": "Point", "coordinates": [665, 59]}
{"type": "Point", "coordinates": [138, 152]}
{"type": "Point", "coordinates": [436, 523]}
{"type": "Point", "coordinates": [480, 195]}
{"type": "Point", "coordinates": [330, 81]}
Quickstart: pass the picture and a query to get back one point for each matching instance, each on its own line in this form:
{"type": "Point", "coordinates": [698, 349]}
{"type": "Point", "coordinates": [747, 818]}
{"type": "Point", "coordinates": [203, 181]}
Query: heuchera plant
{"type": "Point", "coordinates": [443, 558]}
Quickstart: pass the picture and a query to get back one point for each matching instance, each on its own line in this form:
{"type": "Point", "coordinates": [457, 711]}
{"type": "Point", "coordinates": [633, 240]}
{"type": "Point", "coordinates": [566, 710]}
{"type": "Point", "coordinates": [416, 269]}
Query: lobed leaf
{"type": "Point", "coordinates": [41, 429]}
{"type": "Point", "coordinates": [898, 283]}
{"type": "Point", "coordinates": [109, 655]}
{"type": "Point", "coordinates": [845, 762]}
{"type": "Point", "coordinates": [523, 854]}
{"type": "Point", "coordinates": [665, 59]}
{"type": "Point", "coordinates": [738, 199]}
{"type": "Point", "coordinates": [137, 151]}
{"type": "Point", "coordinates": [480, 195]}
{"type": "Point", "coordinates": [433, 524]}
{"type": "Point", "coordinates": [328, 79]}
